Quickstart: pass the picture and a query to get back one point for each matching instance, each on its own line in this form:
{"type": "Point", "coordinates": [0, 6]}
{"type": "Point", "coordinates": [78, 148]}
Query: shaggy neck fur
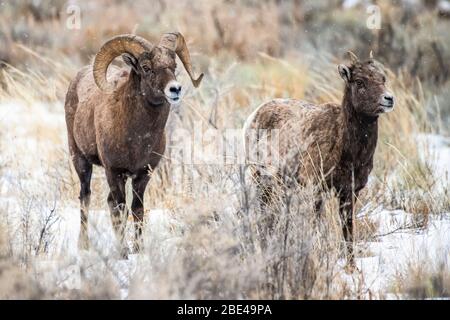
{"type": "Point", "coordinates": [359, 143]}
{"type": "Point", "coordinates": [155, 117]}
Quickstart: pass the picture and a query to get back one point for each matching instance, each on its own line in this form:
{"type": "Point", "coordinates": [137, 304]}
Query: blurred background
{"type": "Point", "coordinates": [412, 35]}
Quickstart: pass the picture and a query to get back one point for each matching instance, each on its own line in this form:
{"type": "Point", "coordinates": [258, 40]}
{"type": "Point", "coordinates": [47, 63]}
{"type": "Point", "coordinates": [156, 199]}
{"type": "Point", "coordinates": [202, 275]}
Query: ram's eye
{"type": "Point", "coordinates": [145, 68]}
{"type": "Point", "coordinates": [360, 83]}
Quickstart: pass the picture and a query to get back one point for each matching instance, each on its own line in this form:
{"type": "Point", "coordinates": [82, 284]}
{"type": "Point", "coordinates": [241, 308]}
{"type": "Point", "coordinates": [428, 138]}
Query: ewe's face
{"type": "Point", "coordinates": [365, 85]}
{"type": "Point", "coordinates": [157, 72]}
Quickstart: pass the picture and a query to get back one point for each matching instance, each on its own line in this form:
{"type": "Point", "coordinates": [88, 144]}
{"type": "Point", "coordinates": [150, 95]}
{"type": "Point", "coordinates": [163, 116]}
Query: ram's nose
{"type": "Point", "coordinates": [175, 89]}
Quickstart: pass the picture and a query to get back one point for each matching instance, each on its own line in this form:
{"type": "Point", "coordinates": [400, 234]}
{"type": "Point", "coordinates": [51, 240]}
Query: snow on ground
{"type": "Point", "coordinates": [33, 142]}
{"type": "Point", "coordinates": [400, 242]}
{"type": "Point", "coordinates": [436, 151]}
{"type": "Point", "coordinates": [401, 245]}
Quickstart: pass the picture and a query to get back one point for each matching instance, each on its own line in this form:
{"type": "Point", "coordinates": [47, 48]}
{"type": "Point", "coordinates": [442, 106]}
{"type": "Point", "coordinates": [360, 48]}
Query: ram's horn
{"type": "Point", "coordinates": [175, 41]}
{"type": "Point", "coordinates": [353, 57]}
{"type": "Point", "coordinates": [126, 43]}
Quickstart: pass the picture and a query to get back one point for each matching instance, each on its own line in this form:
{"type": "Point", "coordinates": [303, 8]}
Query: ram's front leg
{"type": "Point", "coordinates": [118, 208]}
{"type": "Point", "coordinates": [139, 184]}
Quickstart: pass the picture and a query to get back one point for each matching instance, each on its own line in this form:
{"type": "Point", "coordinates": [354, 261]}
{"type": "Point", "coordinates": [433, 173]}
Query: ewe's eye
{"type": "Point", "coordinates": [145, 68]}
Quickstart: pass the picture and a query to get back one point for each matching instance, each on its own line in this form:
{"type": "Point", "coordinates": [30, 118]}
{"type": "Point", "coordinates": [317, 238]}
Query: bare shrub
{"type": "Point", "coordinates": [233, 253]}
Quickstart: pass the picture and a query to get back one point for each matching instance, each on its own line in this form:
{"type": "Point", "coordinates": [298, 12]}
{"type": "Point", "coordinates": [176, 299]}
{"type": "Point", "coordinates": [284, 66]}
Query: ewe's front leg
{"type": "Point", "coordinates": [346, 212]}
{"type": "Point", "coordinates": [139, 184]}
{"type": "Point", "coordinates": [118, 208]}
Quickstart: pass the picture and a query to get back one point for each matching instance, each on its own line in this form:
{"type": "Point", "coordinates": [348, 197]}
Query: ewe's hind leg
{"type": "Point", "coordinates": [139, 184]}
{"type": "Point", "coordinates": [84, 170]}
{"type": "Point", "coordinates": [117, 207]}
{"type": "Point", "coordinates": [266, 189]}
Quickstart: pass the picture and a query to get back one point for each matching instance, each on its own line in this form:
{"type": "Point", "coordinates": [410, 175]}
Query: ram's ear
{"type": "Point", "coordinates": [131, 61]}
{"type": "Point", "coordinates": [345, 73]}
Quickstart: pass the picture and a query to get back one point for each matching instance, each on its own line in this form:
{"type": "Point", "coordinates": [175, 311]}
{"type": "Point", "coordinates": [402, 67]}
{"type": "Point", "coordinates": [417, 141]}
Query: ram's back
{"type": "Point", "coordinates": [83, 100]}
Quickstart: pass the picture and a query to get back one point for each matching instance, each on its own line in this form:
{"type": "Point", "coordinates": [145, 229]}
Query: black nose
{"type": "Point", "coordinates": [175, 89]}
{"type": "Point", "coordinates": [388, 99]}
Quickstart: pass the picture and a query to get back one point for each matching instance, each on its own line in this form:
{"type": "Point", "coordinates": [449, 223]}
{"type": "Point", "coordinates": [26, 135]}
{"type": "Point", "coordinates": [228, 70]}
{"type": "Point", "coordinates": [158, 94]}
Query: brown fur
{"type": "Point", "coordinates": [329, 143]}
{"type": "Point", "coordinates": [122, 131]}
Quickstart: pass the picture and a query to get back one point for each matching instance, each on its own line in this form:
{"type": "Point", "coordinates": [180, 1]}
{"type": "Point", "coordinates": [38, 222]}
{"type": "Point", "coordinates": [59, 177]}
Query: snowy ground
{"type": "Point", "coordinates": [33, 144]}
{"type": "Point", "coordinates": [400, 245]}
{"type": "Point", "coordinates": [400, 241]}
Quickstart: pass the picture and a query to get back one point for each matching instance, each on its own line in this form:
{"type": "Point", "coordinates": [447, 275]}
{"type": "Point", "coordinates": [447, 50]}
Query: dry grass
{"type": "Point", "coordinates": [424, 281]}
{"type": "Point", "coordinates": [216, 243]}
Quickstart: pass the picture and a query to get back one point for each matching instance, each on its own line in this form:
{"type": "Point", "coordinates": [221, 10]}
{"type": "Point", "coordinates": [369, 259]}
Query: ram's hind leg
{"type": "Point", "coordinates": [84, 170]}
{"type": "Point", "coordinates": [117, 207]}
{"type": "Point", "coordinates": [139, 184]}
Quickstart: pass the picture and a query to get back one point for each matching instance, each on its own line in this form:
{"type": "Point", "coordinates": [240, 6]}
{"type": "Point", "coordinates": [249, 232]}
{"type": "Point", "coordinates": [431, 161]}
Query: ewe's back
{"type": "Point", "coordinates": [305, 139]}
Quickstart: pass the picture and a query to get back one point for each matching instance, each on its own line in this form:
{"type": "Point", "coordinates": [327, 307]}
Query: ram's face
{"type": "Point", "coordinates": [158, 81]}
{"type": "Point", "coordinates": [153, 68]}
{"type": "Point", "coordinates": [366, 87]}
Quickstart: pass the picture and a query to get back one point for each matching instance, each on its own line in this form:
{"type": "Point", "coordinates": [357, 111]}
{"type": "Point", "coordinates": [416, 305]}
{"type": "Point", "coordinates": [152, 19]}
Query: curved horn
{"type": "Point", "coordinates": [175, 41]}
{"type": "Point", "coordinates": [353, 57]}
{"type": "Point", "coordinates": [126, 43]}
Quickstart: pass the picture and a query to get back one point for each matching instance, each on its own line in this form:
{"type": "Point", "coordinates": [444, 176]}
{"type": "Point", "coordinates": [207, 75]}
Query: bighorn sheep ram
{"type": "Point", "coordinates": [118, 121]}
{"type": "Point", "coordinates": [331, 143]}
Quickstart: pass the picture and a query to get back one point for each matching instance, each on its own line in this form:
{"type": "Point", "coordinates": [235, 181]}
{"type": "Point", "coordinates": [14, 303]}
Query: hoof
{"type": "Point", "coordinates": [351, 267]}
{"type": "Point", "coordinates": [124, 252]}
{"type": "Point", "coordinates": [137, 247]}
{"type": "Point", "coordinates": [83, 243]}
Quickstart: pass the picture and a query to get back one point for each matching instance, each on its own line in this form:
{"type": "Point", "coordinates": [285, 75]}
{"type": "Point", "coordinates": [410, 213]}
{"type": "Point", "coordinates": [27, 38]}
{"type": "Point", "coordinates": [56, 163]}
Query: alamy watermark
{"type": "Point", "coordinates": [373, 22]}
{"type": "Point", "coordinates": [73, 21]}
{"type": "Point", "coordinates": [200, 146]}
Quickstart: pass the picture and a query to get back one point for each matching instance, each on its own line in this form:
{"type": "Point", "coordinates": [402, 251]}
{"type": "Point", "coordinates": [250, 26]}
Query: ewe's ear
{"type": "Point", "coordinates": [131, 61]}
{"type": "Point", "coordinates": [344, 71]}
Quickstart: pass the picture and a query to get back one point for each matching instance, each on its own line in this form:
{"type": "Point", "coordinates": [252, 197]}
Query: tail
{"type": "Point", "coordinates": [245, 130]}
{"type": "Point", "coordinates": [70, 107]}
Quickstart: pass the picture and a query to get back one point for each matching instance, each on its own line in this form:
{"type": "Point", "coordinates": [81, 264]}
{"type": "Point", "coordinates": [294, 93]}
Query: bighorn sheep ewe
{"type": "Point", "coordinates": [118, 123]}
{"type": "Point", "coordinates": [331, 143]}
